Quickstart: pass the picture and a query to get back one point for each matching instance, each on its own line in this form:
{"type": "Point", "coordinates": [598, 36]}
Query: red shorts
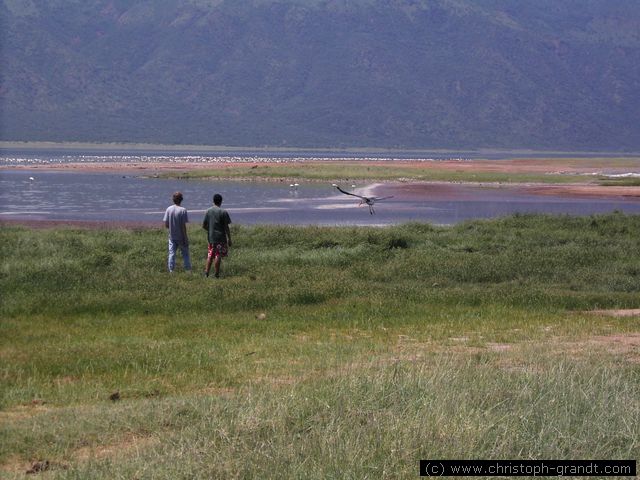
{"type": "Point", "coordinates": [217, 250]}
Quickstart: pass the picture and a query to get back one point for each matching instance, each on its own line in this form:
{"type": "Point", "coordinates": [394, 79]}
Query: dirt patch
{"type": "Point", "coordinates": [499, 347]}
{"type": "Point", "coordinates": [426, 190]}
{"type": "Point", "coordinates": [628, 339]}
{"type": "Point", "coordinates": [580, 190]}
{"type": "Point", "coordinates": [635, 312]}
{"type": "Point", "coordinates": [23, 412]}
{"type": "Point", "coordinates": [619, 343]}
{"type": "Point", "coordinates": [129, 445]}
{"type": "Point", "coordinates": [626, 346]}
{"type": "Point", "coordinates": [466, 190]}
{"type": "Point", "coordinates": [15, 466]}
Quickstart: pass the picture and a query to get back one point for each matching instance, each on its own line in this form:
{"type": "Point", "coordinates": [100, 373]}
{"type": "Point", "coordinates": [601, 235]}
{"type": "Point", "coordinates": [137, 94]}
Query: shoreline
{"type": "Point", "coordinates": [137, 147]}
{"type": "Point", "coordinates": [548, 165]}
{"type": "Point", "coordinates": [403, 186]}
{"type": "Point", "coordinates": [415, 190]}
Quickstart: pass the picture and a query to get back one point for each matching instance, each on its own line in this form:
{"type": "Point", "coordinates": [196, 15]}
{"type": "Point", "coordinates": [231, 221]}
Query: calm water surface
{"type": "Point", "coordinates": [122, 197]}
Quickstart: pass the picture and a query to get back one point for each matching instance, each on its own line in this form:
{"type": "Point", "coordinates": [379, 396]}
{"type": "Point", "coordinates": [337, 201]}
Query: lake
{"type": "Point", "coordinates": [63, 195]}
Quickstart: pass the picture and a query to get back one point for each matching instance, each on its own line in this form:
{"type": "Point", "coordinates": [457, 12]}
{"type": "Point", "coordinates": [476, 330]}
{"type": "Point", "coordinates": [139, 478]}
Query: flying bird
{"type": "Point", "coordinates": [370, 201]}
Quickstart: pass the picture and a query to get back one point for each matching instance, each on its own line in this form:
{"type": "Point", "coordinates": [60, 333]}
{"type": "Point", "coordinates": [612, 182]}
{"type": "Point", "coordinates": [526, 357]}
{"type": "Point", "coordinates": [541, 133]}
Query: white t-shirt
{"type": "Point", "coordinates": [174, 218]}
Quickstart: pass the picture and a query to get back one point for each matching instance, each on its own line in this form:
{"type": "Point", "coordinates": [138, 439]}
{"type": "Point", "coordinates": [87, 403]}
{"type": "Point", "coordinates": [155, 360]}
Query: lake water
{"type": "Point", "coordinates": [109, 197]}
{"type": "Point", "coordinates": [66, 195]}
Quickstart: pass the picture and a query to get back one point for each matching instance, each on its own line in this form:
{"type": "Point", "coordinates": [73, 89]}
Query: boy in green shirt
{"type": "Point", "coordinates": [216, 223]}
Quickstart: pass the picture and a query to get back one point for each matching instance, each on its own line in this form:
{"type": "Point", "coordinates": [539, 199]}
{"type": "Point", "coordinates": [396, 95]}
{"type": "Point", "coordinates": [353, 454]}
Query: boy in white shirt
{"type": "Point", "coordinates": [175, 220]}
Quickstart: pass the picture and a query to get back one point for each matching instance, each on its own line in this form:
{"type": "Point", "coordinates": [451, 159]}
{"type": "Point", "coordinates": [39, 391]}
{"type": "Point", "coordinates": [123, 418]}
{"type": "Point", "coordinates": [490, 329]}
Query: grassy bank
{"type": "Point", "coordinates": [554, 171]}
{"type": "Point", "coordinates": [379, 347]}
{"type": "Point", "coordinates": [620, 182]}
{"type": "Point", "coordinates": [357, 171]}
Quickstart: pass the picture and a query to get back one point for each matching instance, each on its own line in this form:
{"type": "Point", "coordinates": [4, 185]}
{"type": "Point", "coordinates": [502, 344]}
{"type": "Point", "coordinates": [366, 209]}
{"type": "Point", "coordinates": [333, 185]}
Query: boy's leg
{"type": "Point", "coordinates": [207, 267]}
{"type": "Point", "coordinates": [171, 261]}
{"type": "Point", "coordinates": [216, 264]}
{"type": "Point", "coordinates": [185, 257]}
{"type": "Point", "coordinates": [219, 253]}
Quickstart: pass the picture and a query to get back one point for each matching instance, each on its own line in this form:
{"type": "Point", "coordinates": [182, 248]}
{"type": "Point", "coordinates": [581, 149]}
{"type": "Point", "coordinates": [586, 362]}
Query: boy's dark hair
{"type": "Point", "coordinates": [217, 199]}
{"type": "Point", "coordinates": [177, 198]}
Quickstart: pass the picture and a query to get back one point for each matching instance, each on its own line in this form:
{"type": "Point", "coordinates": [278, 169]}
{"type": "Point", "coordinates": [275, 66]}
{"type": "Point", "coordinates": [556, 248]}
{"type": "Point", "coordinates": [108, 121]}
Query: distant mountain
{"type": "Point", "coordinates": [543, 74]}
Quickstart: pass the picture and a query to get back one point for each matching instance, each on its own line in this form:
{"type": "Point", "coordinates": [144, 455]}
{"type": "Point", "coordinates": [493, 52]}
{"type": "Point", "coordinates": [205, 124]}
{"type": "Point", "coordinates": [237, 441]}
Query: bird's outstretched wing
{"type": "Point", "coordinates": [352, 194]}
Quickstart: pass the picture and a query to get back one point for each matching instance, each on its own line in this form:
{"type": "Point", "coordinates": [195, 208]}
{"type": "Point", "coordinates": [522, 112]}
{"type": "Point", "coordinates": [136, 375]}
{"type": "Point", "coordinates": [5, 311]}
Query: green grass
{"type": "Point", "coordinates": [380, 346]}
{"type": "Point", "coordinates": [345, 170]}
{"type": "Point", "coordinates": [350, 171]}
{"type": "Point", "coordinates": [620, 182]}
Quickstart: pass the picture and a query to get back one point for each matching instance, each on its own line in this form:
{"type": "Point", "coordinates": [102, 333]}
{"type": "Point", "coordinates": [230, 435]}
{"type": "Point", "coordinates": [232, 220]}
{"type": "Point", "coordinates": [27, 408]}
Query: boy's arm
{"type": "Point", "coordinates": [228, 232]}
{"type": "Point", "coordinates": [184, 234]}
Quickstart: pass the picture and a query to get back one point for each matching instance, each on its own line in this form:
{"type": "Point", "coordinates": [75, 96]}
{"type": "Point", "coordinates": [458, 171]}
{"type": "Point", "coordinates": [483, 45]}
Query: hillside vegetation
{"type": "Point", "coordinates": [324, 73]}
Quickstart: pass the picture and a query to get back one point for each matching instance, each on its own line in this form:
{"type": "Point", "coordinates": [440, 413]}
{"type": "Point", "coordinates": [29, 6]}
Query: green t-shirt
{"type": "Point", "coordinates": [216, 221]}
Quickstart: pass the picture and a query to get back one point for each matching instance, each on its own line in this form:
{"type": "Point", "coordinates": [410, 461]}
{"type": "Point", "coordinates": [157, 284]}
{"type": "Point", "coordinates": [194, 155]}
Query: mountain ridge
{"type": "Point", "coordinates": [314, 73]}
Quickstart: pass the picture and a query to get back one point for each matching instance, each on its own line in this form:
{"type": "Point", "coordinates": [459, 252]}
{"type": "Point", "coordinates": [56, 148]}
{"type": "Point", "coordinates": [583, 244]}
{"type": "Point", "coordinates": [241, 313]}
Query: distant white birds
{"type": "Point", "coordinates": [370, 201]}
{"type": "Point", "coordinates": [294, 186]}
{"type": "Point", "coordinates": [31, 179]}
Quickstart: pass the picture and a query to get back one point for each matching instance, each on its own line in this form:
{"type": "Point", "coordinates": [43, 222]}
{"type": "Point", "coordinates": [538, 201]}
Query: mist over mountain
{"type": "Point", "coordinates": [544, 74]}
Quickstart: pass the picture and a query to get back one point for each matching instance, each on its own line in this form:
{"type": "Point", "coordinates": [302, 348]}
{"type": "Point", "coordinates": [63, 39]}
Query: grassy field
{"type": "Point", "coordinates": [621, 182]}
{"type": "Point", "coordinates": [354, 171]}
{"type": "Point", "coordinates": [322, 352]}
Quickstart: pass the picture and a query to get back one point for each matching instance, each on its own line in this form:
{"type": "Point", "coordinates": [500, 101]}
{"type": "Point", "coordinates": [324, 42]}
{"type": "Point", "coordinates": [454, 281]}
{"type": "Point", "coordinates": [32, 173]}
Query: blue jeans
{"type": "Point", "coordinates": [184, 250]}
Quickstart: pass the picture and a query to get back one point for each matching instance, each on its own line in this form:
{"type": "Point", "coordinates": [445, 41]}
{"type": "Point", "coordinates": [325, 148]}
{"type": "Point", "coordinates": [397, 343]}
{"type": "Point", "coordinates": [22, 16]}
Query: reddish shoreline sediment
{"type": "Point", "coordinates": [417, 190]}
